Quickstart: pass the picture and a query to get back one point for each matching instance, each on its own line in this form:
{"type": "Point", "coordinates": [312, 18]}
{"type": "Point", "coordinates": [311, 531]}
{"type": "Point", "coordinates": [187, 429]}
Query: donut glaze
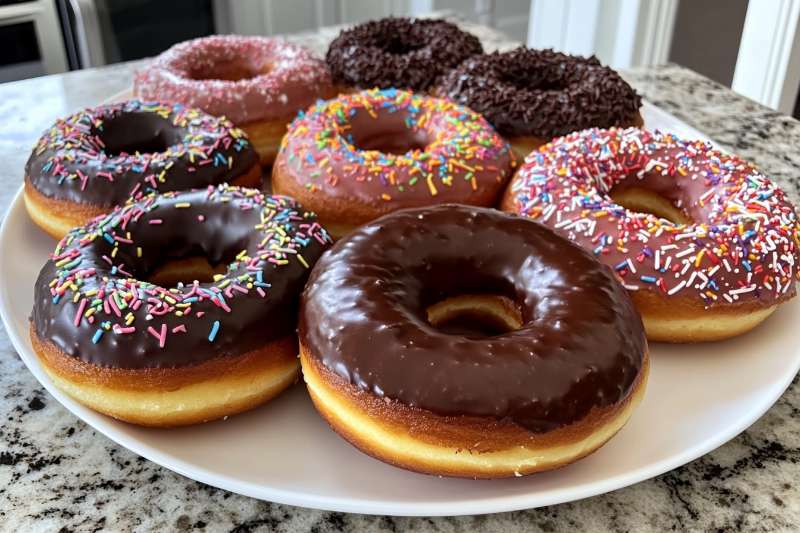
{"type": "Point", "coordinates": [91, 301]}
{"type": "Point", "coordinates": [398, 52]}
{"type": "Point", "coordinates": [541, 93]}
{"type": "Point", "coordinates": [740, 248]}
{"type": "Point", "coordinates": [246, 79]}
{"type": "Point", "coordinates": [338, 157]}
{"type": "Point", "coordinates": [581, 346]}
{"type": "Point", "coordinates": [105, 155]}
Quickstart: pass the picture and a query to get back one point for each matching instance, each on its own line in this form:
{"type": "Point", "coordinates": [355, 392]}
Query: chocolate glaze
{"type": "Point", "coordinates": [398, 52]}
{"type": "Point", "coordinates": [363, 317]}
{"type": "Point", "coordinates": [262, 308]}
{"type": "Point", "coordinates": [541, 93]}
{"type": "Point", "coordinates": [84, 158]}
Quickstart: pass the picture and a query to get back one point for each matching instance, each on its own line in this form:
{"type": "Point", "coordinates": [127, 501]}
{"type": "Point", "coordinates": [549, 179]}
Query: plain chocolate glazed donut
{"type": "Point", "coordinates": [398, 52]}
{"type": "Point", "coordinates": [567, 374]}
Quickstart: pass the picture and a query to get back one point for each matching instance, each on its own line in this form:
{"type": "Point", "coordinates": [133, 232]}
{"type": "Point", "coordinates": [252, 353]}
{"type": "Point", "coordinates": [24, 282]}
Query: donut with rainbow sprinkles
{"type": "Point", "coordinates": [362, 155]}
{"type": "Point", "coordinates": [705, 243]}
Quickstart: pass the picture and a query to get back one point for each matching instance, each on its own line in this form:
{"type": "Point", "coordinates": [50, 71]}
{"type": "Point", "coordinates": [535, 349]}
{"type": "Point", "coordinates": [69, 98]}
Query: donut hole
{"type": "Point", "coordinates": [475, 315]}
{"type": "Point", "coordinates": [131, 133]}
{"type": "Point", "coordinates": [399, 45]}
{"type": "Point", "coordinates": [642, 200]}
{"type": "Point", "coordinates": [230, 71]}
{"type": "Point", "coordinates": [185, 270]}
{"type": "Point", "coordinates": [537, 80]}
{"type": "Point", "coordinates": [387, 134]}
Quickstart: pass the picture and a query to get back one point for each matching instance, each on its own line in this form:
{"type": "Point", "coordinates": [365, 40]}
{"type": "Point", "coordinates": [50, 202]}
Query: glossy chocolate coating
{"type": "Point", "coordinates": [90, 157]}
{"type": "Point", "coordinates": [363, 317]}
{"type": "Point", "coordinates": [541, 93]}
{"type": "Point", "coordinates": [260, 291]}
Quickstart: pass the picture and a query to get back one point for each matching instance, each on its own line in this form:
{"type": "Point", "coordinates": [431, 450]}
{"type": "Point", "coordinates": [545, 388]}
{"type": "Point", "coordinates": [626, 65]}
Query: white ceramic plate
{"type": "Point", "coordinates": [698, 397]}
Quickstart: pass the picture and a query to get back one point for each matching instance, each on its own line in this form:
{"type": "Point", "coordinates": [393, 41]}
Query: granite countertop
{"type": "Point", "coordinates": [58, 473]}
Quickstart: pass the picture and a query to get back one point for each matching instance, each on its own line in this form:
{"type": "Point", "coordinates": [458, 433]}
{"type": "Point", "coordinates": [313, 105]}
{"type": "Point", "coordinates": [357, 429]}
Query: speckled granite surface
{"type": "Point", "coordinates": [57, 473]}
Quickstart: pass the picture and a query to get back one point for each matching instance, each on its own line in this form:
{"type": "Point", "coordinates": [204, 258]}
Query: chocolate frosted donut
{"type": "Point", "coordinates": [398, 52]}
{"type": "Point", "coordinates": [551, 390]}
{"type": "Point", "coordinates": [536, 95]}
{"type": "Point", "coordinates": [97, 158]}
{"type": "Point", "coordinates": [167, 354]}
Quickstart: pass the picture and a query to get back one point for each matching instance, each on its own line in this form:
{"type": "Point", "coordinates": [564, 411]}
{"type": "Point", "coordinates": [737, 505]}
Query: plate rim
{"type": "Point", "coordinates": [492, 504]}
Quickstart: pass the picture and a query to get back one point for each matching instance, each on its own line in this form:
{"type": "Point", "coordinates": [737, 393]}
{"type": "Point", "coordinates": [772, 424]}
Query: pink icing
{"type": "Point", "coordinates": [277, 78]}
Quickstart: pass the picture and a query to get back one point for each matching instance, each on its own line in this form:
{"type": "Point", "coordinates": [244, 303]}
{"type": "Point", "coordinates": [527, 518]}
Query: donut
{"type": "Point", "coordinates": [463, 341]}
{"type": "Point", "coordinates": [89, 162]}
{"type": "Point", "coordinates": [704, 242]}
{"type": "Point", "coordinates": [531, 96]}
{"type": "Point", "coordinates": [402, 53]}
{"type": "Point", "coordinates": [204, 341]}
{"type": "Point", "coordinates": [259, 83]}
{"type": "Point", "coordinates": [365, 154]}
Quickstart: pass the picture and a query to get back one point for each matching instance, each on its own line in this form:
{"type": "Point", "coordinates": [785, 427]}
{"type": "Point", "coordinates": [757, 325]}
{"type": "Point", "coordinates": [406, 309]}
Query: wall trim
{"type": "Point", "coordinates": [768, 64]}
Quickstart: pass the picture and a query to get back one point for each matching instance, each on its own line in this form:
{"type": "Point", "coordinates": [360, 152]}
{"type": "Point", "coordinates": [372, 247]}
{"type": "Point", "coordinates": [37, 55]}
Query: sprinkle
{"type": "Point", "coordinates": [214, 330]}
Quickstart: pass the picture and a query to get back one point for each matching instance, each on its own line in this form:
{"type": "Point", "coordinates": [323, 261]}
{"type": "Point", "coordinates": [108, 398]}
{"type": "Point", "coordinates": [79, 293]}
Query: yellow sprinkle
{"type": "Point", "coordinates": [300, 258]}
{"type": "Point", "coordinates": [699, 258]}
{"type": "Point", "coordinates": [431, 186]}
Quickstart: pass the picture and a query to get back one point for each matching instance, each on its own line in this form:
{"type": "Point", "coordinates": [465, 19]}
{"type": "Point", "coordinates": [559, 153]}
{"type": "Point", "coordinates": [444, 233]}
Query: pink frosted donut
{"type": "Point", "coordinates": [706, 244]}
{"type": "Point", "coordinates": [259, 83]}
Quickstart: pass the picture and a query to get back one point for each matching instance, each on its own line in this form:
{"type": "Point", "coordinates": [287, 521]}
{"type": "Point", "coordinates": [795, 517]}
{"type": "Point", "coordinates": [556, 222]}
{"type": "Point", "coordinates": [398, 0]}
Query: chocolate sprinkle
{"type": "Point", "coordinates": [398, 52]}
{"type": "Point", "coordinates": [541, 93]}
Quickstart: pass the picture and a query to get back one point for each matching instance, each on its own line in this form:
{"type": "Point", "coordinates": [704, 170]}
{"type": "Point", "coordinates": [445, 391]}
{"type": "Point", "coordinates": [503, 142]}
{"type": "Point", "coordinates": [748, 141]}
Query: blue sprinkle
{"type": "Point", "coordinates": [109, 238]}
{"type": "Point", "coordinates": [648, 279]}
{"type": "Point", "coordinates": [97, 335]}
{"type": "Point", "coordinates": [214, 331]}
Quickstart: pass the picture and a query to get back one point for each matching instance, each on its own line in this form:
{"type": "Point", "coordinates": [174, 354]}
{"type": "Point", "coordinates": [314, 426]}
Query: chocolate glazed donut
{"type": "Point", "coordinates": [531, 96]}
{"type": "Point", "coordinates": [95, 159]}
{"type": "Point", "coordinates": [559, 372]}
{"type": "Point", "coordinates": [166, 353]}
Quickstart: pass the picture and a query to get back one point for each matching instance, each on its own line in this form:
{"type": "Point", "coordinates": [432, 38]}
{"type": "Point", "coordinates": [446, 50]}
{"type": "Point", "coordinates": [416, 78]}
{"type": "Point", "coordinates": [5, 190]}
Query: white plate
{"type": "Point", "coordinates": [698, 397]}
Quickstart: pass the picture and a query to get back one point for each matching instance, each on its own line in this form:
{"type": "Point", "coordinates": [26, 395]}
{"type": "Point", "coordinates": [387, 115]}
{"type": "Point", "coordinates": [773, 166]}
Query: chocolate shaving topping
{"type": "Point", "coordinates": [541, 93]}
{"type": "Point", "coordinates": [398, 52]}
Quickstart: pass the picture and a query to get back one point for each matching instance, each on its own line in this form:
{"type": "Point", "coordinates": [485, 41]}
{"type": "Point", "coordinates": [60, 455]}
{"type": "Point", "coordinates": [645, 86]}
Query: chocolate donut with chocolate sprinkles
{"type": "Point", "coordinates": [531, 96]}
{"type": "Point", "coordinates": [398, 52]}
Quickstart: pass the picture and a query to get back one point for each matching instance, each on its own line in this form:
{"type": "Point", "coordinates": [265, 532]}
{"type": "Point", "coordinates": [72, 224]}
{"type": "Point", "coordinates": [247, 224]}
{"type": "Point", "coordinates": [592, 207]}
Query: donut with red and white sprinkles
{"type": "Point", "coordinates": [706, 244]}
{"type": "Point", "coordinates": [259, 83]}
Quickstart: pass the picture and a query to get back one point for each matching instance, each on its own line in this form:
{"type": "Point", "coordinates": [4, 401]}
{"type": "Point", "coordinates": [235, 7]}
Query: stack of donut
{"type": "Point", "coordinates": [439, 333]}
